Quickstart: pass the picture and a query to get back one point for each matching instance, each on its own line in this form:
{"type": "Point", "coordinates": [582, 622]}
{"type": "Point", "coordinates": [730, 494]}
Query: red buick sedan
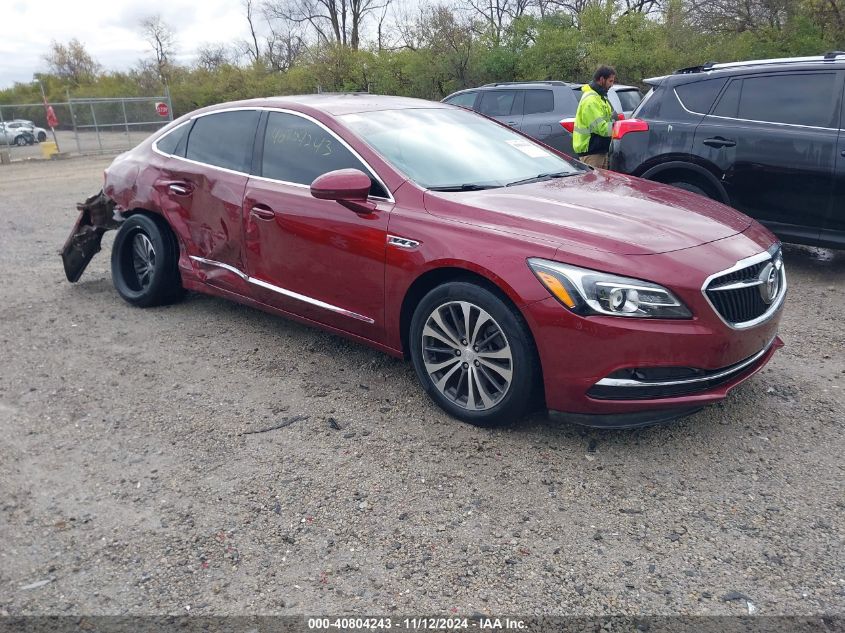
{"type": "Point", "coordinates": [509, 274]}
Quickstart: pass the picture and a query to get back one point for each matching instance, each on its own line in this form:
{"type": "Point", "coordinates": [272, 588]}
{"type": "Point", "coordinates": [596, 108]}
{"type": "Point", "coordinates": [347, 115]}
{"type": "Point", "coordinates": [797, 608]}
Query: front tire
{"type": "Point", "coordinates": [144, 262]}
{"type": "Point", "coordinates": [691, 187]}
{"type": "Point", "coordinates": [42, 136]}
{"type": "Point", "coordinates": [473, 354]}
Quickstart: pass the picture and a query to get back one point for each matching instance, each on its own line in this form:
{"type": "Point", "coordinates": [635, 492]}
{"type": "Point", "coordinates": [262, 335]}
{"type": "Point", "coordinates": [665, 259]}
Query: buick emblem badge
{"type": "Point", "coordinates": [769, 282]}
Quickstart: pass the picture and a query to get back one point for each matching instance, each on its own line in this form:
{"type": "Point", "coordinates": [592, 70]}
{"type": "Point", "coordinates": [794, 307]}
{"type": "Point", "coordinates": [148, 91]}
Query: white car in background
{"type": "Point", "coordinates": [39, 133]}
{"type": "Point", "coordinates": [17, 135]}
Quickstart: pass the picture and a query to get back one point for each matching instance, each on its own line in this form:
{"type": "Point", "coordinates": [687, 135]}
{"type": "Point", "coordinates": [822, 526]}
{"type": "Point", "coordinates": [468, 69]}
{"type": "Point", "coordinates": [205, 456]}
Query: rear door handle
{"type": "Point", "coordinates": [513, 123]}
{"type": "Point", "coordinates": [262, 212]}
{"type": "Point", "coordinates": [719, 142]}
{"type": "Point", "coordinates": [180, 189]}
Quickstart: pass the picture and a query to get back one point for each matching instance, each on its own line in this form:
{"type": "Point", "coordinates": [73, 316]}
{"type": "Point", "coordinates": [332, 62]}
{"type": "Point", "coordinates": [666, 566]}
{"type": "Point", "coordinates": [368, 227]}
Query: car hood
{"type": "Point", "coordinates": [598, 210]}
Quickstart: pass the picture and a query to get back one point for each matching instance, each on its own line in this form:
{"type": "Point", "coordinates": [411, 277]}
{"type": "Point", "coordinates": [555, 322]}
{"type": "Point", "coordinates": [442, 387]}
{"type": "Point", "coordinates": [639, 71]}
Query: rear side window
{"type": "Point", "coordinates": [298, 150]}
{"type": "Point", "coordinates": [224, 139]}
{"type": "Point", "coordinates": [465, 99]}
{"type": "Point", "coordinates": [170, 141]}
{"type": "Point", "coordinates": [799, 99]}
{"type": "Point", "coordinates": [700, 95]}
{"type": "Point", "coordinates": [497, 102]}
{"type": "Point", "coordinates": [539, 101]}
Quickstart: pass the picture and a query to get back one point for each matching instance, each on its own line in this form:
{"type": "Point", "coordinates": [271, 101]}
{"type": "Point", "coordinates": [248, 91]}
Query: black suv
{"type": "Point", "coordinates": [763, 136]}
{"type": "Point", "coordinates": [537, 108]}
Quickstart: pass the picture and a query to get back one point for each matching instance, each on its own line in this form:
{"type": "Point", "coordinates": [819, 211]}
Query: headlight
{"type": "Point", "coordinates": [588, 292]}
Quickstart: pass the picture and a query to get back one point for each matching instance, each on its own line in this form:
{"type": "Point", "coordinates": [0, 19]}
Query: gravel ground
{"type": "Point", "coordinates": [137, 475]}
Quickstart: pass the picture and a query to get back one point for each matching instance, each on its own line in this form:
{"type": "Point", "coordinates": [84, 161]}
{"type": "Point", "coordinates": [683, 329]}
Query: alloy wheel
{"type": "Point", "coordinates": [467, 355]}
{"type": "Point", "coordinates": [143, 259]}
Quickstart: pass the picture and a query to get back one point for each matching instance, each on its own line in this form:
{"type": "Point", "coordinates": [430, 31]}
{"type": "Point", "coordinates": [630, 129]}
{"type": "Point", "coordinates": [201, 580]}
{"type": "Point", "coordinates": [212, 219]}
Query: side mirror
{"type": "Point", "coordinates": [349, 187]}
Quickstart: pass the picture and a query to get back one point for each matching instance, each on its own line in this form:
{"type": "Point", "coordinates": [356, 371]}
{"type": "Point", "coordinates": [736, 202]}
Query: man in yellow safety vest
{"type": "Point", "coordinates": [594, 119]}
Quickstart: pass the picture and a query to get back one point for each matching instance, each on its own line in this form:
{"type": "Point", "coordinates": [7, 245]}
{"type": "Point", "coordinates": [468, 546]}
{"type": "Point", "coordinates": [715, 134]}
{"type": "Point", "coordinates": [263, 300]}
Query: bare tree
{"type": "Point", "coordinates": [284, 48]}
{"type": "Point", "coordinates": [252, 49]}
{"type": "Point", "coordinates": [642, 6]}
{"type": "Point", "coordinates": [332, 21]}
{"type": "Point", "coordinates": [737, 16]}
{"type": "Point", "coordinates": [448, 35]}
{"type": "Point", "coordinates": [213, 56]}
{"type": "Point", "coordinates": [72, 62]}
{"type": "Point", "coordinates": [496, 15]}
{"type": "Point", "coordinates": [160, 36]}
{"type": "Point", "coordinates": [569, 7]}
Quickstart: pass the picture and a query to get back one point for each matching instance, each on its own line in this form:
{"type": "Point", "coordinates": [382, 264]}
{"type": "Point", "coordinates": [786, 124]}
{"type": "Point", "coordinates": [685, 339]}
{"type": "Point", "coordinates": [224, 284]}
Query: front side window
{"type": "Point", "coordinates": [799, 99]}
{"type": "Point", "coordinates": [224, 139]}
{"type": "Point", "coordinates": [299, 151]}
{"type": "Point", "coordinates": [497, 102]}
{"type": "Point", "coordinates": [465, 100]}
{"type": "Point", "coordinates": [446, 148]}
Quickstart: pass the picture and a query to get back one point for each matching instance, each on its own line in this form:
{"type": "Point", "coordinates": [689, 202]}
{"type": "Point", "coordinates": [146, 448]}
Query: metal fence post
{"type": "Point", "coordinates": [73, 121]}
{"type": "Point", "coordinates": [169, 102]}
{"type": "Point", "coordinates": [5, 137]}
{"type": "Point", "coordinates": [96, 127]}
{"type": "Point", "coordinates": [125, 120]}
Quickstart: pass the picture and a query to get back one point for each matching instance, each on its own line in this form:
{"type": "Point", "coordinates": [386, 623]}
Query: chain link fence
{"type": "Point", "coordinates": [85, 126]}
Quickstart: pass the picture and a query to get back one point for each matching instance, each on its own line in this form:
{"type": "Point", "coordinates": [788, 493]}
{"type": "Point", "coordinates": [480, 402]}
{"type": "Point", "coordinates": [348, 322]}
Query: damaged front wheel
{"type": "Point", "coordinates": [144, 262]}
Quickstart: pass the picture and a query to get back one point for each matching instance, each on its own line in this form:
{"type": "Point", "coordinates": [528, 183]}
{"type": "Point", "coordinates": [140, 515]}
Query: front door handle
{"type": "Point", "coordinates": [719, 142]}
{"type": "Point", "coordinates": [262, 212]}
{"type": "Point", "coordinates": [842, 153]}
{"type": "Point", "coordinates": [513, 123]}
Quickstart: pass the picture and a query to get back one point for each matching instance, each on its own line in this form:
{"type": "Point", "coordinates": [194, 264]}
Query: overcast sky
{"type": "Point", "coordinates": [109, 29]}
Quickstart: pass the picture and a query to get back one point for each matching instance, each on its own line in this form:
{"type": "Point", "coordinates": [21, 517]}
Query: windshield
{"type": "Point", "coordinates": [441, 148]}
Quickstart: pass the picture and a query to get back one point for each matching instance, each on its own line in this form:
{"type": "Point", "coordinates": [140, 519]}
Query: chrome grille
{"type": "Point", "coordinates": [750, 291]}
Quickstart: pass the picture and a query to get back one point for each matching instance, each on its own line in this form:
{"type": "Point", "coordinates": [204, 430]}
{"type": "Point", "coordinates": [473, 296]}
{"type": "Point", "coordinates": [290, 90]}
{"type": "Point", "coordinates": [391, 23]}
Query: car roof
{"type": "Point", "coordinates": [333, 103]}
{"type": "Point", "coordinates": [834, 59]}
{"type": "Point", "coordinates": [521, 85]}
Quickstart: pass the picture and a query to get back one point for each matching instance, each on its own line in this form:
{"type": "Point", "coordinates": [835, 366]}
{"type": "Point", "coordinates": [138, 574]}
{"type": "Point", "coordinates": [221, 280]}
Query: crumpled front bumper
{"type": "Point", "coordinates": [96, 216]}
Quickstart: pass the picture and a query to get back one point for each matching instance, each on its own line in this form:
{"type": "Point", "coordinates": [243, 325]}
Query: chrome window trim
{"type": "Point", "coordinates": [372, 171]}
{"type": "Point", "coordinates": [627, 382]}
{"type": "Point", "coordinates": [685, 108]}
{"type": "Point", "coordinates": [798, 125]}
{"type": "Point", "coordinates": [283, 291]}
{"type": "Point", "coordinates": [744, 263]}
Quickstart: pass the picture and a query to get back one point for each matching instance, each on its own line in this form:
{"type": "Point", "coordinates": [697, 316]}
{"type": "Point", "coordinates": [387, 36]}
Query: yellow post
{"type": "Point", "coordinates": [48, 149]}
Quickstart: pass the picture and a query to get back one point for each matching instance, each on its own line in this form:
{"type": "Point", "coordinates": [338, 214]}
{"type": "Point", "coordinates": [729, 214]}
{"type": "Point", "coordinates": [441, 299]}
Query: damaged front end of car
{"type": "Point", "coordinates": [97, 215]}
